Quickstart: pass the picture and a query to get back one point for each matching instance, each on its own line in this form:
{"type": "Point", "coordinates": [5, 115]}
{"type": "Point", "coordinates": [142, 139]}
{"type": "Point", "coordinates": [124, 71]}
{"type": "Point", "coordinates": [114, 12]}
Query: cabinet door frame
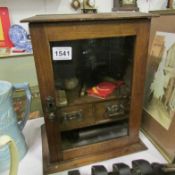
{"type": "Point", "coordinates": [44, 33]}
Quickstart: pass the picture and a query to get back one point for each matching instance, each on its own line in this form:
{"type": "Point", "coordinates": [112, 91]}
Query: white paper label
{"type": "Point", "coordinates": [62, 53]}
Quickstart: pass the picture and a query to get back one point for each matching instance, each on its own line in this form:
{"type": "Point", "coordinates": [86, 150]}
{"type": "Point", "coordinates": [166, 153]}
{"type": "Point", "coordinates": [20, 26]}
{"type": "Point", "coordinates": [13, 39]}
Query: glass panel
{"type": "Point", "coordinates": [95, 72]}
{"type": "Point", "coordinates": [93, 61]}
{"type": "Point", "coordinates": [93, 134]}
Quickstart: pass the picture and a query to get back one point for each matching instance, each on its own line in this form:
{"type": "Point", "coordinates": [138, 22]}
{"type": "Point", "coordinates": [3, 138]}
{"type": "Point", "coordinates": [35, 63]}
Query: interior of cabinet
{"type": "Point", "coordinates": [90, 63]}
{"type": "Point", "coordinates": [94, 134]}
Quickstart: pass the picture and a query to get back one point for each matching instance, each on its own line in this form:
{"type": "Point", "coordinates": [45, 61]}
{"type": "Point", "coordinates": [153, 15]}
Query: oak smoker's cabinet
{"type": "Point", "coordinates": [91, 70]}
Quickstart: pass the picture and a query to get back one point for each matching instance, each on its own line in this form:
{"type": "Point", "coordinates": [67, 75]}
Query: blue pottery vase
{"type": "Point", "coordinates": [8, 121]}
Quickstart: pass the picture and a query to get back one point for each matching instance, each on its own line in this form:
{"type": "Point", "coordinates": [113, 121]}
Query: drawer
{"type": "Point", "coordinates": [76, 117]}
{"type": "Point", "coordinates": [113, 109]}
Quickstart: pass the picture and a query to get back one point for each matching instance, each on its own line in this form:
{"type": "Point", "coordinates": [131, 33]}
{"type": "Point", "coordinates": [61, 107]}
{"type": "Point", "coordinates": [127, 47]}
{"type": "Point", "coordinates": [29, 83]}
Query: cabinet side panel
{"type": "Point", "coordinates": [46, 85]}
{"type": "Point", "coordinates": [139, 68]}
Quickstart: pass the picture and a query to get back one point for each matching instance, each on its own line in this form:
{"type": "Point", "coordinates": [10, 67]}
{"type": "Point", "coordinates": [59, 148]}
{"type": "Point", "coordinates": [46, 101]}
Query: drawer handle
{"type": "Point", "coordinates": [74, 115]}
{"type": "Point", "coordinates": [114, 110]}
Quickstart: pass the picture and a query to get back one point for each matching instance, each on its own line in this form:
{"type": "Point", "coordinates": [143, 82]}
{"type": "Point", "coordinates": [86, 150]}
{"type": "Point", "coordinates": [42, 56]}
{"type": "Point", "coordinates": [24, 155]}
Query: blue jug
{"type": "Point", "coordinates": [8, 121]}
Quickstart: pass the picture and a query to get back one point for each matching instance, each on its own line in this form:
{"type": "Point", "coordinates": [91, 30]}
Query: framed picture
{"type": "Point", "coordinates": [160, 91]}
{"type": "Point", "coordinates": [125, 5]}
{"type": "Point", "coordinates": [4, 28]}
{"type": "Point", "coordinates": [159, 101]}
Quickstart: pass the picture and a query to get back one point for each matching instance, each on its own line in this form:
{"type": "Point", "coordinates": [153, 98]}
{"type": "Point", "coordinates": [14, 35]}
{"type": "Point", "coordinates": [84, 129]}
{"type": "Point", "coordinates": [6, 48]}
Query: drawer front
{"type": "Point", "coordinates": [76, 117]}
{"type": "Point", "coordinates": [113, 109]}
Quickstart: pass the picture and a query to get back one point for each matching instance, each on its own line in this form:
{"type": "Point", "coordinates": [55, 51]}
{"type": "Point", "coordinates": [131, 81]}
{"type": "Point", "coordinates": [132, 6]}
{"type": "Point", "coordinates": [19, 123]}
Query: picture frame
{"type": "Point", "coordinates": [159, 102]}
{"type": "Point", "coordinates": [5, 41]}
{"type": "Point", "coordinates": [125, 5]}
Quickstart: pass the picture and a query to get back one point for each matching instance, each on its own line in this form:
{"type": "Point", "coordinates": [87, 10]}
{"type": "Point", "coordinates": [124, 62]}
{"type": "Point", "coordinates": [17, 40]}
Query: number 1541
{"type": "Point", "coordinates": [62, 53]}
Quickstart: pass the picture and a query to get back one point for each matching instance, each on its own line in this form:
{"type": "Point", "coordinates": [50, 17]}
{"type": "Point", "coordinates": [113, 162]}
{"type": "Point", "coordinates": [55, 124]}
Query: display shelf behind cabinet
{"type": "Point", "coordinates": [163, 12]}
{"type": "Point", "coordinates": [15, 55]}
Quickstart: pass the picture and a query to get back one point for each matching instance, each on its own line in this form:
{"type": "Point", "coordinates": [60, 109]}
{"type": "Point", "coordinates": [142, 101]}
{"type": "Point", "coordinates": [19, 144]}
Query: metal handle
{"type": "Point", "coordinates": [4, 140]}
{"type": "Point", "coordinates": [25, 87]}
{"type": "Point", "coordinates": [114, 110]}
{"type": "Point", "coordinates": [74, 115]}
{"type": "Point", "coordinates": [50, 107]}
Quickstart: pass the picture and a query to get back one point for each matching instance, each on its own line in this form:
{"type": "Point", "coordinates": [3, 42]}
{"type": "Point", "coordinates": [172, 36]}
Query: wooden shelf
{"type": "Point", "coordinates": [163, 12]}
{"type": "Point", "coordinates": [87, 17]}
{"type": "Point", "coordinates": [93, 134]}
{"type": "Point", "coordinates": [15, 55]}
{"type": "Point", "coordinates": [73, 98]}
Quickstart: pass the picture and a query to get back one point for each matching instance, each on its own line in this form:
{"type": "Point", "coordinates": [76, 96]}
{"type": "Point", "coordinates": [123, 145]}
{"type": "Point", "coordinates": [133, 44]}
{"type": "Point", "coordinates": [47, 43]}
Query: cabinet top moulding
{"type": "Point", "coordinates": [87, 17]}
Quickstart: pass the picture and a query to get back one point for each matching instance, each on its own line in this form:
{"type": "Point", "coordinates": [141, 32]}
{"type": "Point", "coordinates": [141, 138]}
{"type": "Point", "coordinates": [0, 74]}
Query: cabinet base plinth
{"type": "Point", "coordinates": [49, 168]}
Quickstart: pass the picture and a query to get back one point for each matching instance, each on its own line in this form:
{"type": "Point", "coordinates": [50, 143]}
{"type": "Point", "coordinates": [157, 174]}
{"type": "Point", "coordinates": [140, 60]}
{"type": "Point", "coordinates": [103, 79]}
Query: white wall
{"type": "Point", "coordinates": [18, 69]}
{"type": "Point", "coordinates": [148, 5]}
{"type": "Point", "coordinates": [20, 9]}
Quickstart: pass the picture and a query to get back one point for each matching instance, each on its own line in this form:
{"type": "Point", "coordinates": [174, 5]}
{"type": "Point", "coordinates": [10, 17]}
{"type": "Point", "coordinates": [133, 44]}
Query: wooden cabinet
{"type": "Point", "coordinates": [82, 53]}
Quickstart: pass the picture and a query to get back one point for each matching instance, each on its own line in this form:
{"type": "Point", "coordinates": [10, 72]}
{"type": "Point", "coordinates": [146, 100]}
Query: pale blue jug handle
{"type": "Point", "coordinates": [25, 87]}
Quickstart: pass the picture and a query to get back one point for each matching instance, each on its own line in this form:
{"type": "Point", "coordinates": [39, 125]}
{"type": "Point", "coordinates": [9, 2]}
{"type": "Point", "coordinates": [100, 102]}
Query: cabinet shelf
{"type": "Point", "coordinates": [73, 99]}
{"type": "Point", "coordinates": [93, 134]}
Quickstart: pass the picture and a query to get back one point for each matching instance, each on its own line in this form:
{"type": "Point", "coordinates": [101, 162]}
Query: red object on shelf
{"type": "Point", "coordinates": [4, 28]}
{"type": "Point", "coordinates": [104, 89]}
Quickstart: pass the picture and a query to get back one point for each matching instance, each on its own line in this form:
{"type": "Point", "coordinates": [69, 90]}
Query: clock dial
{"type": "Point", "coordinates": [75, 4]}
{"type": "Point", "coordinates": [91, 3]}
{"type": "Point", "coordinates": [128, 2]}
